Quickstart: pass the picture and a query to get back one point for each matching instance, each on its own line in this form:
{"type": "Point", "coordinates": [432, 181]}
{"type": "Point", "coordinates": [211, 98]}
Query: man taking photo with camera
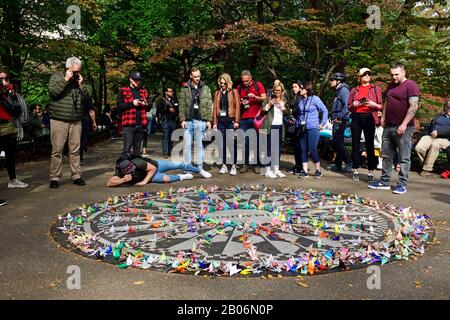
{"type": "Point", "coordinates": [65, 90]}
{"type": "Point", "coordinates": [133, 104]}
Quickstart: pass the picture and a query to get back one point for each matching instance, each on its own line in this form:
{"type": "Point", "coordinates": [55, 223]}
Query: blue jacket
{"type": "Point", "coordinates": [340, 104]}
{"type": "Point", "coordinates": [308, 110]}
{"type": "Point", "coordinates": [441, 124]}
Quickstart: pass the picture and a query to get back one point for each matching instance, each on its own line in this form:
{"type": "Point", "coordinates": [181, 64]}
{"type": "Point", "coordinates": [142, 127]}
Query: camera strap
{"type": "Point", "coordinates": [75, 98]}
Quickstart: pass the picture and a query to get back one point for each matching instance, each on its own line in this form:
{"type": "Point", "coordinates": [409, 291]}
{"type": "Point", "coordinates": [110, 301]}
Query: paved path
{"type": "Point", "coordinates": [33, 267]}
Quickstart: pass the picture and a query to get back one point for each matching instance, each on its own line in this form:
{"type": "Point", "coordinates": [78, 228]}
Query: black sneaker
{"type": "Point", "coordinates": [355, 176]}
{"type": "Point", "coordinates": [317, 174]}
{"type": "Point", "coordinates": [256, 170]}
{"type": "Point", "coordinates": [3, 202]}
{"type": "Point", "coordinates": [243, 169]}
{"type": "Point", "coordinates": [295, 170]}
{"type": "Point", "coordinates": [302, 174]}
{"type": "Point", "coordinates": [54, 184]}
{"type": "Point", "coordinates": [79, 182]}
{"type": "Point", "coordinates": [370, 177]}
{"type": "Point", "coordinates": [82, 162]}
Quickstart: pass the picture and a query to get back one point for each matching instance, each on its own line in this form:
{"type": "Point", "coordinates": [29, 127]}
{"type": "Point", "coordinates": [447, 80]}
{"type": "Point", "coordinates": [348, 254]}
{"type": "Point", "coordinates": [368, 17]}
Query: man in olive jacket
{"type": "Point", "coordinates": [66, 90]}
{"type": "Point", "coordinates": [195, 115]}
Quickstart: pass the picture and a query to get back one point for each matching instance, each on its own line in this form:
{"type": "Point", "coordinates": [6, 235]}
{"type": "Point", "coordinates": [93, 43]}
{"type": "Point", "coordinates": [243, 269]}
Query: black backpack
{"type": "Point", "coordinates": [255, 83]}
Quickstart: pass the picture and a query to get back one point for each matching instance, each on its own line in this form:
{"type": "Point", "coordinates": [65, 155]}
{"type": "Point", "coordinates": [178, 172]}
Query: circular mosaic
{"type": "Point", "coordinates": [243, 230]}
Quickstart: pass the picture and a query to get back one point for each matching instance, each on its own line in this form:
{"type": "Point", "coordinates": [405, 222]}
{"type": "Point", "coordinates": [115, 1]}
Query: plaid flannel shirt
{"type": "Point", "coordinates": [129, 115]}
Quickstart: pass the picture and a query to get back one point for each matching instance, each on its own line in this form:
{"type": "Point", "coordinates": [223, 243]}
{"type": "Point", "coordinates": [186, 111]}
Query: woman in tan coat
{"type": "Point", "coordinates": [226, 116]}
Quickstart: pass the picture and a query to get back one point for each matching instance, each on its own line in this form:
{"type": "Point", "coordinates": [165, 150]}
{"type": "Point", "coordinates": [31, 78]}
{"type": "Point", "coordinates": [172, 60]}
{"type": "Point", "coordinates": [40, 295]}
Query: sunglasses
{"type": "Point", "coordinates": [366, 74]}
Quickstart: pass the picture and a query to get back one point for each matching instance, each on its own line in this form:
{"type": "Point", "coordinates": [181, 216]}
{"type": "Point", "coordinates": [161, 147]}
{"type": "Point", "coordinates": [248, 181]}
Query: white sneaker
{"type": "Point", "coordinates": [16, 183]}
{"type": "Point", "coordinates": [270, 174]}
{"type": "Point", "coordinates": [280, 174]}
{"type": "Point", "coordinates": [223, 170]}
{"type": "Point", "coordinates": [186, 176]}
{"type": "Point", "coordinates": [205, 174]}
{"type": "Point", "coordinates": [233, 170]}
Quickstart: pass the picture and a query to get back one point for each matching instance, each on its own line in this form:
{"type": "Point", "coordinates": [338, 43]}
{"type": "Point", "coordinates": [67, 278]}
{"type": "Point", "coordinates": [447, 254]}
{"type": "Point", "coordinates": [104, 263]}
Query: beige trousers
{"type": "Point", "coordinates": [428, 149]}
{"type": "Point", "coordinates": [60, 132]}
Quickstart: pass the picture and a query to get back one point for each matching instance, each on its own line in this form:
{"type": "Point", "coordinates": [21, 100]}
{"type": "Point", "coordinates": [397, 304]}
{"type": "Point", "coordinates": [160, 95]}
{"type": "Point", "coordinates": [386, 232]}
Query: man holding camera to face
{"type": "Point", "coordinates": [133, 104]}
{"type": "Point", "coordinates": [66, 90]}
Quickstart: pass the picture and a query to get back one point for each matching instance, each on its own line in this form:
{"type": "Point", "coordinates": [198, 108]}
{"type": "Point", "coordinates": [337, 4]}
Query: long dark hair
{"type": "Point", "coordinates": [309, 89]}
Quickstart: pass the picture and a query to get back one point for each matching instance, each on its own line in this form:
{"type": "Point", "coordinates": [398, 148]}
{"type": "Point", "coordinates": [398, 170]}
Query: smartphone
{"type": "Point", "coordinates": [363, 100]}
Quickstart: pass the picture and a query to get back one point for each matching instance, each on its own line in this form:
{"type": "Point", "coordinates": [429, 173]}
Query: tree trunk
{"type": "Point", "coordinates": [256, 52]}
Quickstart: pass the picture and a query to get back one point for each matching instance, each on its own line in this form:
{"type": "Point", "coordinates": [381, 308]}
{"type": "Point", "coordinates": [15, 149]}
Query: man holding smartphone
{"type": "Point", "coordinates": [132, 104]}
{"type": "Point", "coordinates": [252, 95]}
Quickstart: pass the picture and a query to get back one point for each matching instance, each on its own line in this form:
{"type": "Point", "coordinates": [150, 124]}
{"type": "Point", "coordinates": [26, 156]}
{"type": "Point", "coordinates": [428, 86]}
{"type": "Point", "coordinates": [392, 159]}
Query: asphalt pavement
{"type": "Point", "coordinates": [34, 266]}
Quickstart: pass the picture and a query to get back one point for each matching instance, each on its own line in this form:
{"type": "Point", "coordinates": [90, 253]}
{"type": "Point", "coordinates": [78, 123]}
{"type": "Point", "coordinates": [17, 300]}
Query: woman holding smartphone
{"type": "Point", "coordinates": [365, 101]}
{"type": "Point", "coordinates": [273, 124]}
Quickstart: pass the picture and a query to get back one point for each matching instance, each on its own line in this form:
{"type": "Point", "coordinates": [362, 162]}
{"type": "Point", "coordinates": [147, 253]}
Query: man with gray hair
{"type": "Point", "coordinates": [66, 90]}
{"type": "Point", "coordinates": [402, 102]}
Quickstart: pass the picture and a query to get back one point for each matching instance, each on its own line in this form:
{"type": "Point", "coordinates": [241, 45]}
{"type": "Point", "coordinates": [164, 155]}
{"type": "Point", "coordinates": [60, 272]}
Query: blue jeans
{"type": "Point", "coordinates": [168, 128]}
{"type": "Point", "coordinates": [248, 124]}
{"type": "Point", "coordinates": [196, 129]}
{"type": "Point", "coordinates": [309, 140]}
{"type": "Point", "coordinates": [391, 141]}
{"type": "Point", "coordinates": [149, 125]}
{"type": "Point", "coordinates": [132, 137]}
{"type": "Point", "coordinates": [222, 126]}
{"type": "Point", "coordinates": [166, 165]}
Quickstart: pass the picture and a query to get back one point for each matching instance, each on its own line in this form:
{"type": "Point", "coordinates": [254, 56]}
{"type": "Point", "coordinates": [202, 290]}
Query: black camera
{"type": "Point", "coordinates": [74, 80]}
{"type": "Point", "coordinates": [76, 76]}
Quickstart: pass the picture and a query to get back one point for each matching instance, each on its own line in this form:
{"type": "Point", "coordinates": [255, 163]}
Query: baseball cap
{"type": "Point", "coordinates": [135, 75]}
{"type": "Point", "coordinates": [127, 167]}
{"type": "Point", "coordinates": [337, 76]}
{"type": "Point", "coordinates": [364, 70]}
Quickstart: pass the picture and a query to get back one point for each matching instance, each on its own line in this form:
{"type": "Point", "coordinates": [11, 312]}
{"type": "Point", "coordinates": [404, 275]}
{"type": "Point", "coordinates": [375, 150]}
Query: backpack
{"type": "Point", "coordinates": [255, 83]}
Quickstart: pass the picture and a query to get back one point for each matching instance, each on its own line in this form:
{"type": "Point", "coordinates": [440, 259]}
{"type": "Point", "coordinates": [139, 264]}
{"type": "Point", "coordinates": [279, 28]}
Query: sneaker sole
{"type": "Point", "coordinates": [12, 187]}
{"type": "Point", "coordinates": [398, 192]}
{"type": "Point", "coordinates": [379, 188]}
